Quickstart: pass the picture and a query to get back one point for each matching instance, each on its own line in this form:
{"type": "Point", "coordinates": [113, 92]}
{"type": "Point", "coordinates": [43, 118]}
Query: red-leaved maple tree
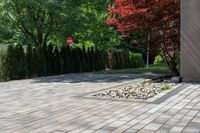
{"type": "Point", "coordinates": [159, 18]}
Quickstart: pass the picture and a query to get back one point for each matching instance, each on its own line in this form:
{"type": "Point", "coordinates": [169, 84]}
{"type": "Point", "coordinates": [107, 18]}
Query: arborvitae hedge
{"type": "Point", "coordinates": [30, 60]}
{"type": "Point", "coordinates": [56, 61]}
{"type": "Point", "coordinates": [49, 58]}
{"type": "Point", "coordinates": [4, 66]}
{"type": "Point", "coordinates": [64, 55]}
{"type": "Point", "coordinates": [41, 61]}
{"type": "Point", "coordinates": [15, 63]}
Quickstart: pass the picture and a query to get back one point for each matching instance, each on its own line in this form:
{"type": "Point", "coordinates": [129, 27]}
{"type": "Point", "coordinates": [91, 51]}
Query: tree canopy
{"type": "Point", "coordinates": [38, 22]}
{"type": "Point", "coordinates": [160, 18]}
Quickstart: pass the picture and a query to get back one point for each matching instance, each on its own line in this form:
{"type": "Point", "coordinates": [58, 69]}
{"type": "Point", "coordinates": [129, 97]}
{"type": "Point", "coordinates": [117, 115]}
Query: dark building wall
{"type": "Point", "coordinates": [190, 40]}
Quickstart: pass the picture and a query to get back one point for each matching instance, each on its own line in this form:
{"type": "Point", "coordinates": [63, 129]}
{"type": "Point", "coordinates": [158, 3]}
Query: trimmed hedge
{"type": "Point", "coordinates": [15, 63]}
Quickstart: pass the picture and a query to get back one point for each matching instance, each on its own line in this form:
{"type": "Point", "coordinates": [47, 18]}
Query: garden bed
{"type": "Point", "coordinates": [143, 90]}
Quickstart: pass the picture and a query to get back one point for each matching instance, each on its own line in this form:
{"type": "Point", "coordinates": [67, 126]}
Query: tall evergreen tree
{"type": "Point", "coordinates": [29, 58]}
{"type": "Point", "coordinates": [92, 59]}
{"type": "Point", "coordinates": [70, 53]}
{"type": "Point", "coordinates": [41, 61]}
{"type": "Point", "coordinates": [56, 61]}
{"type": "Point", "coordinates": [19, 61]}
{"type": "Point", "coordinates": [49, 59]}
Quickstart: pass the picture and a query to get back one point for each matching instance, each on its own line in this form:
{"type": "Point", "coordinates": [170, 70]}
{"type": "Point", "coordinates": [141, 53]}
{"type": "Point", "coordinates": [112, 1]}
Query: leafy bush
{"type": "Point", "coordinates": [139, 61]}
{"type": "Point", "coordinates": [136, 60]}
{"type": "Point", "coordinates": [158, 60]}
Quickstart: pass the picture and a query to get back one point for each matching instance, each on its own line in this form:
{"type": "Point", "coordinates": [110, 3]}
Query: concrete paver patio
{"type": "Point", "coordinates": [54, 105]}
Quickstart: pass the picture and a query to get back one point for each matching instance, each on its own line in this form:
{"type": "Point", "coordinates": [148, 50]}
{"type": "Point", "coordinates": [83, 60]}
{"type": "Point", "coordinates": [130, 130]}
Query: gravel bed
{"type": "Point", "coordinates": [143, 90]}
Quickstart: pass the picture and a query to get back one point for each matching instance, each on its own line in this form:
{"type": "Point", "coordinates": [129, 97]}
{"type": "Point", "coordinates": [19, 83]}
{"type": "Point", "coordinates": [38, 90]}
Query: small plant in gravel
{"type": "Point", "coordinates": [166, 87]}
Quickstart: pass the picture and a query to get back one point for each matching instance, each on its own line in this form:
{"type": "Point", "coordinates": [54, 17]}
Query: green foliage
{"type": "Point", "coordinates": [56, 61]}
{"type": "Point", "coordinates": [15, 63]}
{"type": "Point", "coordinates": [41, 21]}
{"type": "Point", "coordinates": [30, 60]}
{"type": "Point", "coordinates": [84, 60]}
{"type": "Point", "coordinates": [123, 59]}
{"type": "Point", "coordinates": [91, 59]}
{"type": "Point", "coordinates": [41, 61]}
{"type": "Point", "coordinates": [36, 21]}
{"type": "Point", "coordinates": [157, 69]}
{"type": "Point", "coordinates": [158, 60]}
{"type": "Point", "coordinates": [4, 66]}
{"type": "Point", "coordinates": [93, 30]}
{"type": "Point", "coordinates": [136, 60]}
{"type": "Point", "coordinates": [65, 59]}
{"type": "Point", "coordinates": [21, 63]}
{"type": "Point", "coordinates": [135, 43]}
{"type": "Point", "coordinates": [49, 59]}
{"type": "Point", "coordinates": [139, 60]}
{"type": "Point", "coordinates": [166, 87]}
{"type": "Point", "coordinates": [76, 59]}
{"type": "Point", "coordinates": [36, 61]}
{"type": "Point", "coordinates": [178, 67]}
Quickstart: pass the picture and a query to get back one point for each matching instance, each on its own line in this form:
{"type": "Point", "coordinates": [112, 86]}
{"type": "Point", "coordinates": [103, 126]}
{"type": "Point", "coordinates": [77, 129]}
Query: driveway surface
{"type": "Point", "coordinates": [57, 104]}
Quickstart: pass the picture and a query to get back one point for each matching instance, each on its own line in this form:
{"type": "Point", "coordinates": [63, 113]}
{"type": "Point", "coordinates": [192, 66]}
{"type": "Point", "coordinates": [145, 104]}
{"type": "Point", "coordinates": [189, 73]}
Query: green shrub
{"type": "Point", "coordinates": [4, 71]}
{"type": "Point", "coordinates": [136, 60]}
{"type": "Point", "coordinates": [166, 87]}
{"type": "Point", "coordinates": [10, 61]}
{"type": "Point", "coordinates": [84, 60]}
{"type": "Point", "coordinates": [158, 59]}
{"type": "Point", "coordinates": [123, 60]}
{"type": "Point", "coordinates": [16, 62]}
{"type": "Point", "coordinates": [49, 59]}
{"type": "Point", "coordinates": [91, 59]}
{"type": "Point", "coordinates": [127, 60]}
{"type": "Point", "coordinates": [21, 62]}
{"type": "Point", "coordinates": [64, 54]}
{"type": "Point", "coordinates": [87, 60]}
{"type": "Point", "coordinates": [40, 61]}
{"type": "Point", "coordinates": [71, 60]}
{"type": "Point", "coordinates": [30, 61]}
{"type": "Point", "coordinates": [139, 60]}
{"type": "Point", "coordinates": [34, 63]}
{"type": "Point", "coordinates": [56, 61]}
{"type": "Point", "coordinates": [99, 59]}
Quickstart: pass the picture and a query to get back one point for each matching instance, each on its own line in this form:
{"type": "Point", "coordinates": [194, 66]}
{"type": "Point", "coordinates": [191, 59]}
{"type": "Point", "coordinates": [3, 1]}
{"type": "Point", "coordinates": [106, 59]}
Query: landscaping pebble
{"type": "Point", "coordinates": [143, 90]}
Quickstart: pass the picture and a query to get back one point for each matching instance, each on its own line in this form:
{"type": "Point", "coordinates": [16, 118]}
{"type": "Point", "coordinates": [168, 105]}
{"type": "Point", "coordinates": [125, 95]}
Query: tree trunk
{"type": "Point", "coordinates": [170, 61]}
{"type": "Point", "coordinates": [173, 69]}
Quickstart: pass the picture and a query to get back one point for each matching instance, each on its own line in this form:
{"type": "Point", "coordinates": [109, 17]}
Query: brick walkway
{"type": "Point", "coordinates": [53, 104]}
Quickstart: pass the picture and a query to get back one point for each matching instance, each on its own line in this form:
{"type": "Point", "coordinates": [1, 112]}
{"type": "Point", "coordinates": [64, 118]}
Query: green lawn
{"type": "Point", "coordinates": [158, 69]}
